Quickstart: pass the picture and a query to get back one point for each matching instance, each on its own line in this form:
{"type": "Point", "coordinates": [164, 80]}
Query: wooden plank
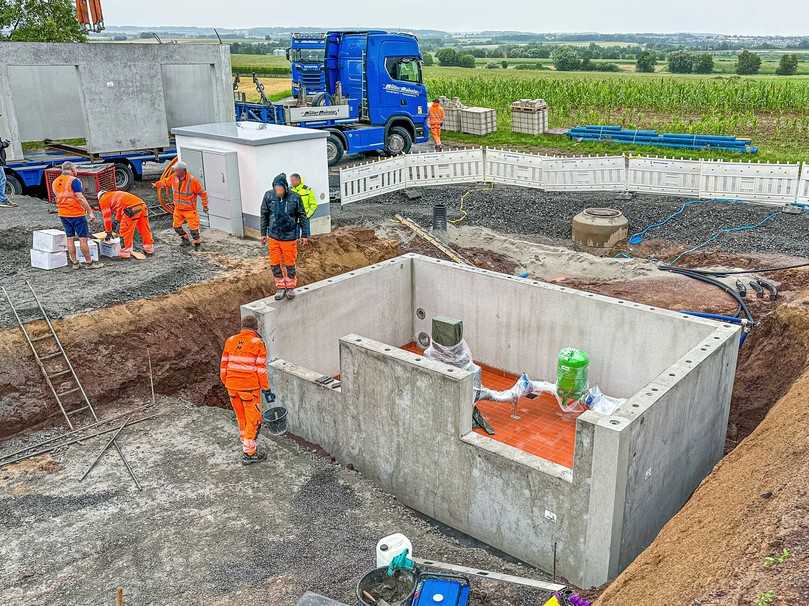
{"type": "Point", "coordinates": [492, 576]}
{"type": "Point", "coordinates": [432, 240]}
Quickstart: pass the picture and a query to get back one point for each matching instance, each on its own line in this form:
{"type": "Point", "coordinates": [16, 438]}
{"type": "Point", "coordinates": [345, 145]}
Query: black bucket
{"type": "Point", "coordinates": [275, 420]}
{"type": "Point", "coordinates": [397, 590]}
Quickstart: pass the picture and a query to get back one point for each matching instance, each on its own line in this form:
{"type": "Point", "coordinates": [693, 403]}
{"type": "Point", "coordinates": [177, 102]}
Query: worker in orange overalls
{"type": "Point", "coordinates": [132, 215]}
{"type": "Point", "coordinates": [243, 371]}
{"type": "Point", "coordinates": [435, 119]}
{"type": "Point", "coordinates": [186, 188]}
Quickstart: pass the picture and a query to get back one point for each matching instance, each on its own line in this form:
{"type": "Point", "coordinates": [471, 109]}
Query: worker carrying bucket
{"type": "Point", "coordinates": [243, 371]}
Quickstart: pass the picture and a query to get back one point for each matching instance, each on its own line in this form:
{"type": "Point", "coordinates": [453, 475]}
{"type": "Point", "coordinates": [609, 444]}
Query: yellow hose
{"type": "Point", "coordinates": [461, 210]}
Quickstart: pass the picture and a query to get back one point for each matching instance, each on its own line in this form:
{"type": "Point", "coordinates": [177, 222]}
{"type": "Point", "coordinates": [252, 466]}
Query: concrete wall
{"type": "Point", "coordinates": [116, 96]}
{"type": "Point", "coordinates": [514, 327]}
{"type": "Point", "coordinates": [374, 301]}
{"type": "Point", "coordinates": [406, 421]}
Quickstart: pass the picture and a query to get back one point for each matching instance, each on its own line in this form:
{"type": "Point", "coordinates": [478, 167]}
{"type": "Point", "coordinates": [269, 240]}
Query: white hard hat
{"type": "Point", "coordinates": [181, 165]}
{"type": "Point", "coordinates": [100, 193]}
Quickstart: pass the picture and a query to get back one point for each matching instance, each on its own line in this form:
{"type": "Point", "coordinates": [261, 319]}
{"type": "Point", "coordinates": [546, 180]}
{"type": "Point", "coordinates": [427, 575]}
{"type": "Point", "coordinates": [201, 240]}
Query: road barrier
{"type": "Point", "coordinates": [763, 183]}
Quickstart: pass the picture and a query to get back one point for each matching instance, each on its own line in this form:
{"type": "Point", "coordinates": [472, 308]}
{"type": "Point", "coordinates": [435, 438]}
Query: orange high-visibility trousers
{"type": "Point", "coordinates": [129, 226]}
{"type": "Point", "coordinates": [283, 256]}
{"type": "Point", "coordinates": [186, 213]}
{"type": "Point", "coordinates": [435, 131]}
{"type": "Point", "coordinates": [247, 406]}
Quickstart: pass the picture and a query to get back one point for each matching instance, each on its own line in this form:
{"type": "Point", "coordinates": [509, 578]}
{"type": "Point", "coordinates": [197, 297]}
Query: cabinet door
{"type": "Point", "coordinates": [224, 196]}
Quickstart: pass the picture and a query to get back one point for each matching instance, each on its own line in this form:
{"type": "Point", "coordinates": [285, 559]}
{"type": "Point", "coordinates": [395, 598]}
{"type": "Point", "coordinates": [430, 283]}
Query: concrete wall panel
{"type": "Point", "coordinates": [53, 100]}
{"type": "Point", "coordinates": [182, 108]}
{"type": "Point", "coordinates": [121, 89]}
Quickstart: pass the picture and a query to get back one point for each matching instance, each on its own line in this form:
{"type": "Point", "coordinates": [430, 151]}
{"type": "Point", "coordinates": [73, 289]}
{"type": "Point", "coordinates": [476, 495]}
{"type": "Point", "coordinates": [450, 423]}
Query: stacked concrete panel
{"type": "Point", "coordinates": [478, 120]}
{"type": "Point", "coordinates": [117, 97]}
{"type": "Point", "coordinates": [452, 113]}
{"type": "Point", "coordinates": [529, 116]}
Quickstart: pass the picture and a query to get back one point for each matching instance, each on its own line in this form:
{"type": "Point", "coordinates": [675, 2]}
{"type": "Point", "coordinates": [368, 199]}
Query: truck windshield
{"type": "Point", "coordinates": [406, 69]}
{"type": "Point", "coordinates": [307, 55]}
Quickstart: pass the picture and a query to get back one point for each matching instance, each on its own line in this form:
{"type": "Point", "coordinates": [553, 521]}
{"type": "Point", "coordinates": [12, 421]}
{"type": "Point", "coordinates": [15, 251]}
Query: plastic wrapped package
{"type": "Point", "coordinates": [572, 373]}
{"type": "Point", "coordinates": [598, 402]}
{"type": "Point", "coordinates": [459, 356]}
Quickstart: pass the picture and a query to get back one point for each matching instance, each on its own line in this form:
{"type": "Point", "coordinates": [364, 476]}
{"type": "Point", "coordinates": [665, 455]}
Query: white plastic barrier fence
{"type": "Point", "coordinates": [437, 168]}
{"type": "Point", "coordinates": [763, 183]}
{"type": "Point", "coordinates": [776, 184]}
{"type": "Point", "coordinates": [664, 176]}
{"type": "Point", "coordinates": [606, 173]}
{"type": "Point", "coordinates": [513, 168]}
{"type": "Point", "coordinates": [369, 180]}
{"type": "Point", "coordinates": [803, 185]}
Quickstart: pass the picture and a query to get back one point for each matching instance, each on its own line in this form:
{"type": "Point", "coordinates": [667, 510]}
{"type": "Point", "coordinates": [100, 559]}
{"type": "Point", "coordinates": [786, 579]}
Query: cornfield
{"type": "Point", "coordinates": [742, 106]}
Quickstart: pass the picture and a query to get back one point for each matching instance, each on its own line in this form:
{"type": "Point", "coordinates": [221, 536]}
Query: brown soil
{"type": "Point", "coordinates": [753, 505]}
{"type": "Point", "coordinates": [183, 332]}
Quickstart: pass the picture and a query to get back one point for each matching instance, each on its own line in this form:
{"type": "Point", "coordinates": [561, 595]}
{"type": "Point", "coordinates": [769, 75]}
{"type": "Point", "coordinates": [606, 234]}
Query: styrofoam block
{"type": "Point", "coordinates": [93, 251]}
{"type": "Point", "coordinates": [111, 248]}
{"type": "Point", "coordinates": [42, 259]}
{"type": "Point", "coordinates": [50, 240]}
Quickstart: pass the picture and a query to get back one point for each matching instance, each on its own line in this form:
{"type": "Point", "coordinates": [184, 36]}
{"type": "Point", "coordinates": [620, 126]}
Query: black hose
{"type": "Point", "coordinates": [714, 282]}
{"type": "Point", "coordinates": [706, 272]}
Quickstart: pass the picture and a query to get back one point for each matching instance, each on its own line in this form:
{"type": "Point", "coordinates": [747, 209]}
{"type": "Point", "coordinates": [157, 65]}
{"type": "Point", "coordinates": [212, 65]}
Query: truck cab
{"type": "Point", "coordinates": [306, 55]}
{"type": "Point", "coordinates": [379, 75]}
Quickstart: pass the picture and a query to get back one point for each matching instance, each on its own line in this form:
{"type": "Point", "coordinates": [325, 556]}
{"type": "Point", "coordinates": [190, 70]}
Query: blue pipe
{"type": "Point", "coordinates": [721, 318]}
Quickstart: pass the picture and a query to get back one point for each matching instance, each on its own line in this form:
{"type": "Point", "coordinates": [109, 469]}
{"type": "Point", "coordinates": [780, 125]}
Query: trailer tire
{"type": "Point", "coordinates": [335, 150]}
{"type": "Point", "coordinates": [398, 141]}
{"type": "Point", "coordinates": [124, 177]}
{"type": "Point", "coordinates": [14, 186]}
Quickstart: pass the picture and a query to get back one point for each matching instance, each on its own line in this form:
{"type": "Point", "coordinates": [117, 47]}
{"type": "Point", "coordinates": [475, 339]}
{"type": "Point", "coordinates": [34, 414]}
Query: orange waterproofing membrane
{"type": "Point", "coordinates": [542, 430]}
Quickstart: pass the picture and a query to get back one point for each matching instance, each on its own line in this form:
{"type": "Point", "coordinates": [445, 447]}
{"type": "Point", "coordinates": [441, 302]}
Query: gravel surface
{"type": "Point", "coordinates": [206, 530]}
{"type": "Point", "coordinates": [66, 291]}
{"type": "Point", "coordinates": [548, 215]}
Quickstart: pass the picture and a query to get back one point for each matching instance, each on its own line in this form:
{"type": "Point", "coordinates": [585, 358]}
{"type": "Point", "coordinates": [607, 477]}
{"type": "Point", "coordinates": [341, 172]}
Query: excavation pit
{"type": "Point", "coordinates": [597, 495]}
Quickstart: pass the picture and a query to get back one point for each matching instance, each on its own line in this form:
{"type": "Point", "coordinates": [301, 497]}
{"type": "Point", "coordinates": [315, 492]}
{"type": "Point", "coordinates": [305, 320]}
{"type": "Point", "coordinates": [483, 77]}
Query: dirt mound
{"type": "Point", "coordinates": [754, 504]}
{"type": "Point", "coordinates": [183, 331]}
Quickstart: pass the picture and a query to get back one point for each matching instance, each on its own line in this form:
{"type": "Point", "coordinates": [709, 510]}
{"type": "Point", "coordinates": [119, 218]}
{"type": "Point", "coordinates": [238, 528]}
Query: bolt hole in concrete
{"type": "Point", "coordinates": [655, 389]}
{"type": "Point", "coordinates": [357, 340]}
{"type": "Point", "coordinates": [671, 374]}
{"type": "Point", "coordinates": [417, 360]}
{"type": "Point", "coordinates": [424, 339]}
{"type": "Point", "coordinates": [387, 349]}
{"type": "Point", "coordinates": [615, 422]}
{"type": "Point", "coordinates": [420, 314]}
{"type": "Point", "coordinates": [688, 362]}
{"type": "Point", "coordinates": [636, 405]}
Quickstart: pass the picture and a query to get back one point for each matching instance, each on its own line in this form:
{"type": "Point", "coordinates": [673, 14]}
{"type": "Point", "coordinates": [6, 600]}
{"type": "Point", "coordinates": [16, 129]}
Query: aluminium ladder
{"type": "Point", "coordinates": [66, 370]}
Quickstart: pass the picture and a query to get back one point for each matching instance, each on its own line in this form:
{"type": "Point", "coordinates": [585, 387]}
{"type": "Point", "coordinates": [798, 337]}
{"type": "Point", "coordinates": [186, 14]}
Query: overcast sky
{"type": "Point", "coordinates": [786, 17]}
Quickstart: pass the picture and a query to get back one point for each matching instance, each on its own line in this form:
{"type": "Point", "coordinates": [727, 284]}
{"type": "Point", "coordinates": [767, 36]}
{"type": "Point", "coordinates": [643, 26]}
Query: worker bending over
{"type": "Point", "coordinates": [74, 211]}
{"type": "Point", "coordinates": [283, 219]}
{"type": "Point", "coordinates": [185, 188]}
{"type": "Point", "coordinates": [306, 194]}
{"type": "Point", "coordinates": [435, 119]}
{"type": "Point", "coordinates": [243, 371]}
{"type": "Point", "coordinates": [131, 214]}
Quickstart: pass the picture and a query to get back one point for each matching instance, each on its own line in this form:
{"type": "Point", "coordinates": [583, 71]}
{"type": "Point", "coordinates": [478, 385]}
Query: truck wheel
{"type": "Point", "coordinates": [124, 177]}
{"type": "Point", "coordinates": [335, 150]}
{"type": "Point", "coordinates": [398, 142]}
{"type": "Point", "coordinates": [13, 185]}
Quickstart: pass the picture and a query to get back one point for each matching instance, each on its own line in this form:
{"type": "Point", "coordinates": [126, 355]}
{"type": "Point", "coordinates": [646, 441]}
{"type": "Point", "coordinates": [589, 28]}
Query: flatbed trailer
{"type": "Point", "coordinates": [29, 173]}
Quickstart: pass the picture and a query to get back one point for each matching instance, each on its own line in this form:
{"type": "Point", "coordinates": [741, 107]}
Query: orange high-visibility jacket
{"type": "Point", "coordinates": [113, 204]}
{"type": "Point", "coordinates": [186, 191]}
{"type": "Point", "coordinates": [244, 362]}
{"type": "Point", "coordinates": [435, 117]}
{"type": "Point", "coordinates": [67, 204]}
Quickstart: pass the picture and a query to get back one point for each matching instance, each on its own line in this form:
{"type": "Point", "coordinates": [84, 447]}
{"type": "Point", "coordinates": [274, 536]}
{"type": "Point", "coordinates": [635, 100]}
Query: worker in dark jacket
{"type": "Point", "coordinates": [283, 218]}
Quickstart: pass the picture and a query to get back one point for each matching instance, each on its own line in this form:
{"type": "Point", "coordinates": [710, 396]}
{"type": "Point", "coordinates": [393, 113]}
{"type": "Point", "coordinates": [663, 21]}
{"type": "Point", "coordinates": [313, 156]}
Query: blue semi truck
{"type": "Point", "coordinates": [374, 98]}
{"type": "Point", "coordinates": [307, 57]}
